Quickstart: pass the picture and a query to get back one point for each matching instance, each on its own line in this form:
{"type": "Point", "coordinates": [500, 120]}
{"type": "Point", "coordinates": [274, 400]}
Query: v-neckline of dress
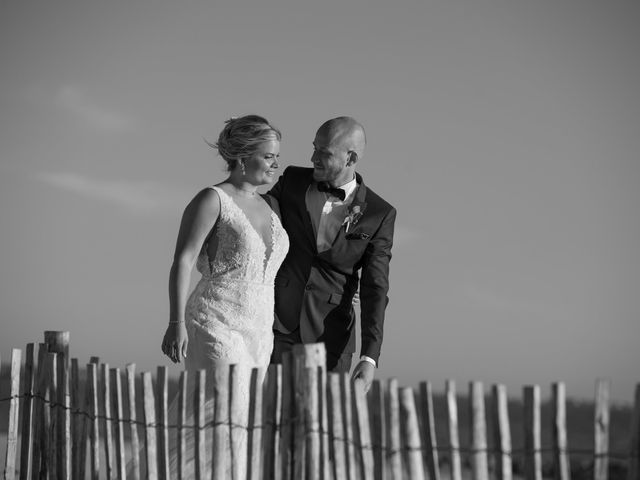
{"type": "Point", "coordinates": [266, 246]}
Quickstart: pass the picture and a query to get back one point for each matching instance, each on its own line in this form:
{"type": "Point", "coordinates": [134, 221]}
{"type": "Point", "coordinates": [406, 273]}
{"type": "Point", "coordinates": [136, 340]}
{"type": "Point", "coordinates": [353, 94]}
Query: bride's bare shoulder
{"type": "Point", "coordinates": [206, 200]}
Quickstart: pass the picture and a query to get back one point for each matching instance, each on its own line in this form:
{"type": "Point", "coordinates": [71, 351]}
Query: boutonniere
{"type": "Point", "coordinates": [353, 215]}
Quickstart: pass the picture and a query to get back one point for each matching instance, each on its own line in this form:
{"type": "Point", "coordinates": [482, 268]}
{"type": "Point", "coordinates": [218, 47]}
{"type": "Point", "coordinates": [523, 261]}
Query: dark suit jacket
{"type": "Point", "coordinates": [314, 291]}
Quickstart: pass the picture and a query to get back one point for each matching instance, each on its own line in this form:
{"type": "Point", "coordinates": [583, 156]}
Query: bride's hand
{"type": "Point", "coordinates": [175, 341]}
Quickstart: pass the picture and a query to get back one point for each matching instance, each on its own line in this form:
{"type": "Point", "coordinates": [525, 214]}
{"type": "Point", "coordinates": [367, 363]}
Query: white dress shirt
{"type": "Point", "coordinates": [328, 212]}
{"type": "Point", "coordinates": [327, 215]}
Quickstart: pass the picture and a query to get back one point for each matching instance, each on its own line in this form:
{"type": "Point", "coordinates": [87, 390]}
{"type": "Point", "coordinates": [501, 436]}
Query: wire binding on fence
{"type": "Point", "coordinates": [298, 422]}
{"type": "Point", "coordinates": [292, 421]}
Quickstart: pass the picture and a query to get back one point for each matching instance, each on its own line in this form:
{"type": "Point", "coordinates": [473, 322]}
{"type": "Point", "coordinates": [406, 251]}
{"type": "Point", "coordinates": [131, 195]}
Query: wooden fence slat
{"type": "Point", "coordinates": [53, 457]}
{"type": "Point", "coordinates": [299, 446]}
{"type": "Point", "coordinates": [430, 451]}
{"type": "Point", "coordinates": [634, 456]}
{"type": "Point", "coordinates": [336, 427]}
{"type": "Point", "coordinates": [287, 427]}
{"type": "Point", "coordinates": [200, 457]}
{"type": "Point", "coordinates": [134, 469]}
{"type": "Point", "coordinates": [502, 433]}
{"type": "Point", "coordinates": [64, 413]}
{"type": "Point", "coordinates": [362, 432]}
{"type": "Point", "coordinates": [28, 411]}
{"type": "Point", "coordinates": [48, 463]}
{"type": "Point", "coordinates": [306, 356]}
{"type": "Point", "coordinates": [14, 410]}
{"type": "Point", "coordinates": [181, 447]}
{"type": "Point", "coordinates": [85, 425]}
{"type": "Point", "coordinates": [118, 421]}
{"type": "Point", "coordinates": [393, 432]}
{"type": "Point", "coordinates": [378, 429]}
{"type": "Point", "coordinates": [272, 406]}
{"type": "Point", "coordinates": [255, 422]}
{"type": "Point", "coordinates": [58, 342]}
{"type": "Point", "coordinates": [105, 397]}
{"type": "Point", "coordinates": [324, 422]}
{"type": "Point", "coordinates": [238, 411]}
{"type": "Point", "coordinates": [150, 425]}
{"type": "Point", "coordinates": [532, 442]}
{"type": "Point", "coordinates": [409, 419]}
{"type": "Point", "coordinates": [559, 432]}
{"type": "Point", "coordinates": [92, 399]}
{"type": "Point", "coordinates": [349, 430]}
{"type": "Point", "coordinates": [479, 463]}
{"type": "Point", "coordinates": [312, 423]}
{"type": "Point", "coordinates": [41, 416]}
{"type": "Point", "coordinates": [221, 434]}
{"type": "Point", "coordinates": [162, 385]}
{"type": "Point", "coordinates": [601, 430]}
{"type": "Point", "coordinates": [76, 417]}
{"type": "Point", "coordinates": [452, 423]}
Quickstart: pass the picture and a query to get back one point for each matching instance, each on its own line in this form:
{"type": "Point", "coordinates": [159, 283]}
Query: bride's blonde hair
{"type": "Point", "coordinates": [241, 136]}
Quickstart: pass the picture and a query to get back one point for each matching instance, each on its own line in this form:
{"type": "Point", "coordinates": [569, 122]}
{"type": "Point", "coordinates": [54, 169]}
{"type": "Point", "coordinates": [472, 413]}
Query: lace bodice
{"type": "Point", "coordinates": [242, 255]}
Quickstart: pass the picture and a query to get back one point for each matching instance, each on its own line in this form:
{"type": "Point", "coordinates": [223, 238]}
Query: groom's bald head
{"type": "Point", "coordinates": [346, 132]}
{"type": "Point", "coordinates": [337, 147]}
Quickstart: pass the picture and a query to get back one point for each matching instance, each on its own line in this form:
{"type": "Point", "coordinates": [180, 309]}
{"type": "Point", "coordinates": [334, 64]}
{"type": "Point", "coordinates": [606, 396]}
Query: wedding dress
{"type": "Point", "coordinates": [229, 315]}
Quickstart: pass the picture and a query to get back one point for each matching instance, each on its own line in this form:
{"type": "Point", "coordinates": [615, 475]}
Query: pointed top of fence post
{"type": "Point", "coordinates": [58, 342]}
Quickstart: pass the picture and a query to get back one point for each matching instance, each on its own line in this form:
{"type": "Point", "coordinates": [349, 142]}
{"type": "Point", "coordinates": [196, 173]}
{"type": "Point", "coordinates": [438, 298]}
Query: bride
{"type": "Point", "coordinates": [236, 241]}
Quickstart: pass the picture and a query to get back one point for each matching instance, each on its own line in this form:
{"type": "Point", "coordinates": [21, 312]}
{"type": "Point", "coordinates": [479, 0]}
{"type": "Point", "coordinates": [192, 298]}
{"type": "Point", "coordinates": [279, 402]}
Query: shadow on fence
{"type": "Point", "coordinates": [292, 421]}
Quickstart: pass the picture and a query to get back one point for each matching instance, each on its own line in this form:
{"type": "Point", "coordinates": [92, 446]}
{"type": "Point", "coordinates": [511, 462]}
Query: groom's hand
{"type": "Point", "coordinates": [365, 371]}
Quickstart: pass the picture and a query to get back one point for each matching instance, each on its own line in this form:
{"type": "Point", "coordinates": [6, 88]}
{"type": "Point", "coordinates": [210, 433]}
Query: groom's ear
{"type": "Point", "coordinates": [353, 157]}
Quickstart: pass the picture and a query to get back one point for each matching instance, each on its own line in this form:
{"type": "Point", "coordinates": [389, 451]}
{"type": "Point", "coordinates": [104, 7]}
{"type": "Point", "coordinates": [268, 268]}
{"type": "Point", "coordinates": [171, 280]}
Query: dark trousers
{"type": "Point", "coordinates": [284, 342]}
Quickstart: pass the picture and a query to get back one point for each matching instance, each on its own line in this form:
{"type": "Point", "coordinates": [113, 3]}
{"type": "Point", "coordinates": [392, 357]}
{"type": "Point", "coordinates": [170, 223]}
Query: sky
{"type": "Point", "coordinates": [506, 134]}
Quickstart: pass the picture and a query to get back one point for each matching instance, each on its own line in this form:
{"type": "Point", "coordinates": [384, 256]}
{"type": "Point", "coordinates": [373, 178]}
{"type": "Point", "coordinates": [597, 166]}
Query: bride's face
{"type": "Point", "coordinates": [261, 167]}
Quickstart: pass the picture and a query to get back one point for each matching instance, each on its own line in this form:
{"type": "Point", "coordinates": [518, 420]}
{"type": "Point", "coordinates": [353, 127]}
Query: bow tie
{"type": "Point", "coordinates": [335, 192]}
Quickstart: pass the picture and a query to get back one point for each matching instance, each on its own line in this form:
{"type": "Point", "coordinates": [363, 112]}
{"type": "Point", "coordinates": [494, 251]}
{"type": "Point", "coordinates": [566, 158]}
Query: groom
{"type": "Point", "coordinates": [337, 228]}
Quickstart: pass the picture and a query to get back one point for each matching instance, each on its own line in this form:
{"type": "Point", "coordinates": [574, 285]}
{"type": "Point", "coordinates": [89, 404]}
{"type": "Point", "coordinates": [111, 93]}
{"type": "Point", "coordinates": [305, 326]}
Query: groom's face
{"type": "Point", "coordinates": [331, 160]}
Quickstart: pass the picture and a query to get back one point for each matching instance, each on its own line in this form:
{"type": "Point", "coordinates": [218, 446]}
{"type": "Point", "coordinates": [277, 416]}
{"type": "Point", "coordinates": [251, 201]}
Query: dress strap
{"type": "Point", "coordinates": [217, 189]}
{"type": "Point", "coordinates": [224, 200]}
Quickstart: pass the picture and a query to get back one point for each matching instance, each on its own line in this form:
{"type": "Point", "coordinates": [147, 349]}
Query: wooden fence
{"type": "Point", "coordinates": [299, 423]}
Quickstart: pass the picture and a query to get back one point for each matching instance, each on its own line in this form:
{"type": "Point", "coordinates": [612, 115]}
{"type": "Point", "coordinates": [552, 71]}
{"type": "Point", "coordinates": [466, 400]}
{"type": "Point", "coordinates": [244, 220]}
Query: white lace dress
{"type": "Point", "coordinates": [229, 316]}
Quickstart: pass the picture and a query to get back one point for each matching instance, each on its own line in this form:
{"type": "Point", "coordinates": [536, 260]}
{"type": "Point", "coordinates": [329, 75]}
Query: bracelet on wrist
{"type": "Point", "coordinates": [175, 321]}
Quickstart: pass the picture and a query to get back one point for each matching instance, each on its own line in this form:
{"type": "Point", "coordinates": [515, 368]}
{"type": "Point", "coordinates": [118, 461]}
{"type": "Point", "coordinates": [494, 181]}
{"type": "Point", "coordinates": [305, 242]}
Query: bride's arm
{"type": "Point", "coordinates": [197, 221]}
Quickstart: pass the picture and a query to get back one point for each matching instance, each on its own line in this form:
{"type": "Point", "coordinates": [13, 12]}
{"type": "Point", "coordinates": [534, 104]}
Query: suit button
{"type": "Point", "coordinates": [308, 287]}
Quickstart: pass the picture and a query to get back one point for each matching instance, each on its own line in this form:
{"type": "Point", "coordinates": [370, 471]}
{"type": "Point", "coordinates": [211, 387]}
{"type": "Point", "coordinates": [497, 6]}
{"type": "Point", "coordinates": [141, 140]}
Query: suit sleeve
{"type": "Point", "coordinates": [374, 285]}
{"type": "Point", "coordinates": [276, 190]}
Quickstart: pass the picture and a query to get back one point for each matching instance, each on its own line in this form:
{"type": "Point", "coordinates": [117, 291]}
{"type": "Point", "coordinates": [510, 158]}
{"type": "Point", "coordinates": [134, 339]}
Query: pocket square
{"type": "Point", "coordinates": [357, 236]}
